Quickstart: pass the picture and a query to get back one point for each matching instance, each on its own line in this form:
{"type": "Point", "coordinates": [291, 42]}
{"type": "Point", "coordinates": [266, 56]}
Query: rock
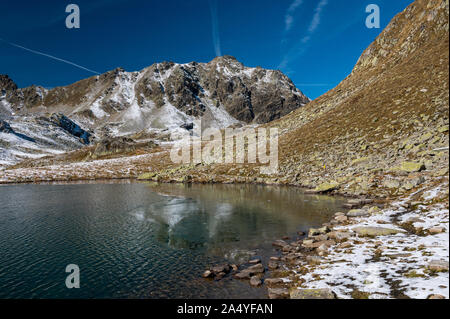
{"type": "Point", "coordinates": [345, 245]}
{"type": "Point", "coordinates": [273, 281]}
{"type": "Point", "coordinates": [244, 274]}
{"type": "Point", "coordinates": [391, 183]}
{"type": "Point", "coordinates": [300, 233]}
{"type": "Point", "coordinates": [374, 210]}
{"type": "Point", "coordinates": [438, 266]}
{"type": "Point", "coordinates": [220, 275]}
{"type": "Point", "coordinates": [322, 248]}
{"type": "Point", "coordinates": [358, 213]}
{"type": "Point", "coordinates": [255, 261]}
{"type": "Point", "coordinates": [207, 274]}
{"type": "Point", "coordinates": [314, 260]}
{"type": "Point", "coordinates": [221, 268]}
{"type": "Point", "coordinates": [342, 236]}
{"type": "Point", "coordinates": [435, 296]}
{"type": "Point", "coordinates": [327, 187]}
{"type": "Point", "coordinates": [71, 127]}
{"type": "Point", "coordinates": [411, 167]}
{"type": "Point", "coordinates": [250, 272]}
{"type": "Point", "coordinates": [436, 230]}
{"type": "Point", "coordinates": [443, 129]}
{"type": "Point", "coordinates": [320, 237]}
{"type": "Point", "coordinates": [256, 269]}
{"type": "Point", "coordinates": [341, 219]}
{"type": "Point", "coordinates": [146, 176]}
{"type": "Point", "coordinates": [255, 281]}
{"type": "Point", "coordinates": [318, 231]}
{"type": "Point", "coordinates": [110, 146]}
{"type": "Point", "coordinates": [312, 294]}
{"type": "Point", "coordinates": [278, 293]}
{"type": "Point", "coordinates": [307, 243]}
{"type": "Point", "coordinates": [5, 127]}
{"type": "Point", "coordinates": [375, 231]}
{"type": "Point", "coordinates": [187, 126]}
{"type": "Point", "coordinates": [275, 258]}
{"type": "Point", "coordinates": [273, 265]}
{"type": "Point", "coordinates": [314, 245]}
{"type": "Point", "coordinates": [279, 243]}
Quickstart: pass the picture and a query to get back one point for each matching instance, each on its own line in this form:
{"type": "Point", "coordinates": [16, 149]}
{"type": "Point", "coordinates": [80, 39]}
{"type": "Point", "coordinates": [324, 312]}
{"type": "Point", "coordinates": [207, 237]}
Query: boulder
{"type": "Point", "coordinates": [411, 167]}
{"type": "Point", "coordinates": [375, 231]}
{"type": "Point", "coordinates": [318, 231]}
{"type": "Point", "coordinates": [358, 213]}
{"type": "Point", "coordinates": [438, 266]}
{"type": "Point", "coordinates": [312, 294]}
{"type": "Point", "coordinates": [327, 187]}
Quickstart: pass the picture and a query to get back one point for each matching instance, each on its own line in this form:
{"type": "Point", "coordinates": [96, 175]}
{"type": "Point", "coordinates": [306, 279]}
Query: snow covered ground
{"type": "Point", "coordinates": [393, 266]}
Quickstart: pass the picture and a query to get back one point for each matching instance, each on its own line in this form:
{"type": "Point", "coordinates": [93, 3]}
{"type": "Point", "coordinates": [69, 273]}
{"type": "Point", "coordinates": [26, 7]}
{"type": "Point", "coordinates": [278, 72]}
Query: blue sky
{"type": "Point", "coordinates": [315, 42]}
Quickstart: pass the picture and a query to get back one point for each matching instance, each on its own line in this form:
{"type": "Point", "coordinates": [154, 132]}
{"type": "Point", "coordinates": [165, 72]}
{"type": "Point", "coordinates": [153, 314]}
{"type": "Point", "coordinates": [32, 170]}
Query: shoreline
{"type": "Point", "coordinates": [312, 266]}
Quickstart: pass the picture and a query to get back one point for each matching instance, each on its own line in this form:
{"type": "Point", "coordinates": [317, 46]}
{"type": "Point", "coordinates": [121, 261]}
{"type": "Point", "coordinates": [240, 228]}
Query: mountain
{"type": "Point", "coordinates": [392, 110]}
{"type": "Point", "coordinates": [154, 102]}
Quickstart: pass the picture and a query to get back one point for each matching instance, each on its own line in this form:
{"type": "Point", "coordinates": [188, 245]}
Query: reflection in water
{"type": "Point", "coordinates": [143, 240]}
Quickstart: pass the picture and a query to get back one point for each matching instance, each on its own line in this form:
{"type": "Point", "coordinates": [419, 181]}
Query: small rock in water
{"type": "Point", "coordinates": [255, 281]}
{"type": "Point", "coordinates": [279, 243]}
{"type": "Point", "coordinates": [221, 268]}
{"type": "Point", "coordinates": [255, 261]}
{"type": "Point", "coordinates": [207, 274]}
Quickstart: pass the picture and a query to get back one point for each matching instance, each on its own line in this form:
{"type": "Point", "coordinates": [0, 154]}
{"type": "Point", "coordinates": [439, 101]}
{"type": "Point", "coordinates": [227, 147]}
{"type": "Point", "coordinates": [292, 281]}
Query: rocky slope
{"type": "Point", "coordinates": [156, 101]}
{"type": "Point", "coordinates": [380, 129]}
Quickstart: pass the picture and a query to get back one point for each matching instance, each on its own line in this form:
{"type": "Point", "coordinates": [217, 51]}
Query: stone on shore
{"type": "Point", "coordinates": [375, 231]}
{"type": "Point", "coordinates": [278, 293]}
{"type": "Point", "coordinates": [312, 294]}
{"type": "Point", "coordinates": [438, 266]}
{"type": "Point", "coordinates": [358, 213]}
{"type": "Point", "coordinates": [327, 187]}
{"type": "Point", "coordinates": [318, 231]}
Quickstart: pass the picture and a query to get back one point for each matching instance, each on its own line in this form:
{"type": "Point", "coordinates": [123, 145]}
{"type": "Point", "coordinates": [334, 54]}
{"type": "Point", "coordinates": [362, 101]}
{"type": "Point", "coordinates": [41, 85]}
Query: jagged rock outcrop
{"type": "Point", "coordinates": [68, 125]}
{"type": "Point", "coordinates": [166, 95]}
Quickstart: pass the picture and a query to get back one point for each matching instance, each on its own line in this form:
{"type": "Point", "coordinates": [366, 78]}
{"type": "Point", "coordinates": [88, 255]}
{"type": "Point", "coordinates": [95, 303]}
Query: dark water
{"type": "Point", "coordinates": [133, 240]}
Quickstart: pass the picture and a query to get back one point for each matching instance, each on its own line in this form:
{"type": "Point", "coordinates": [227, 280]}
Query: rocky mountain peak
{"type": "Point", "coordinates": [6, 83]}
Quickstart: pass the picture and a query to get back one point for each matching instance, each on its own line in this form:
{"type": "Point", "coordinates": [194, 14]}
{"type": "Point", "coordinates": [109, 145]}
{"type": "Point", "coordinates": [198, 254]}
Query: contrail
{"type": "Point", "coordinates": [49, 56]}
{"type": "Point", "coordinates": [215, 27]}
